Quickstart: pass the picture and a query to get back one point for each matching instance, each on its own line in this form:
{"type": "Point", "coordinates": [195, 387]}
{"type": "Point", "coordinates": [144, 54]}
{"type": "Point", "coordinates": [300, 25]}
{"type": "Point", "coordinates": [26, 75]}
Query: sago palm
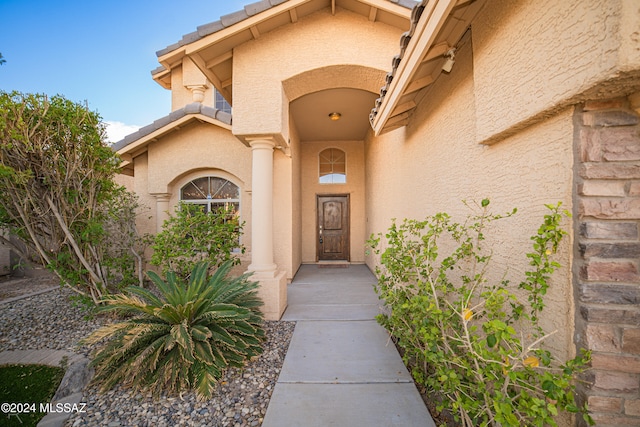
{"type": "Point", "coordinates": [185, 337]}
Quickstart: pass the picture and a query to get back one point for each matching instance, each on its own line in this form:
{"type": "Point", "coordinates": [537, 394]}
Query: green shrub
{"type": "Point", "coordinates": [58, 194]}
{"type": "Point", "coordinates": [469, 340]}
{"type": "Point", "coordinates": [192, 235]}
{"type": "Point", "coordinates": [182, 339]}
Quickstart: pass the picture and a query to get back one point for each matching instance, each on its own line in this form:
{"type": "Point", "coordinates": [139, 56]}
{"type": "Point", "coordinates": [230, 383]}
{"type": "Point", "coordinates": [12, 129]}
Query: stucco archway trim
{"type": "Point", "coordinates": [180, 180]}
{"type": "Point", "coordinates": [335, 76]}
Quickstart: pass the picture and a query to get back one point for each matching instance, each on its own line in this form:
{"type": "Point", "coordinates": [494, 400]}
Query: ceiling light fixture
{"type": "Point", "coordinates": [335, 116]}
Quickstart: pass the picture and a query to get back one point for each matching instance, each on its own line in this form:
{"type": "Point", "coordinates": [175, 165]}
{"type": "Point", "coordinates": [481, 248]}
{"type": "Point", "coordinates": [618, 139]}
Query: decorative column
{"type": "Point", "coordinates": [273, 289]}
{"type": "Point", "coordinates": [162, 209]}
{"type": "Point", "coordinates": [262, 207]}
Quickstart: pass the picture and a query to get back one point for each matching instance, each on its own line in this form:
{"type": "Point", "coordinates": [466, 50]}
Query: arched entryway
{"type": "Point", "coordinates": [329, 110]}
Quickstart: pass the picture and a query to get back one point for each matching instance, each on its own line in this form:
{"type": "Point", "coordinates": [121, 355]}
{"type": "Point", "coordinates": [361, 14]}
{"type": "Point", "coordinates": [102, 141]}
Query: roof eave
{"type": "Point", "coordinates": [191, 44]}
{"type": "Point", "coordinates": [247, 20]}
{"type": "Point", "coordinates": [159, 133]}
{"type": "Point", "coordinates": [195, 111]}
{"type": "Point", "coordinates": [431, 21]}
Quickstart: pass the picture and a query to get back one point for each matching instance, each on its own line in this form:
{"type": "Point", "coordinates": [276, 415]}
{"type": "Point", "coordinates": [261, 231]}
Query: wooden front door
{"type": "Point", "coordinates": [332, 234]}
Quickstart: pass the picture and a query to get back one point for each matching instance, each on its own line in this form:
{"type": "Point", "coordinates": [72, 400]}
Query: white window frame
{"type": "Point", "coordinates": [332, 182]}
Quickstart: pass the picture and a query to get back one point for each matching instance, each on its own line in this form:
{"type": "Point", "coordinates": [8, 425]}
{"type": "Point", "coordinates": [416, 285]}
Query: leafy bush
{"type": "Point", "coordinates": [467, 339]}
{"type": "Point", "coordinates": [58, 194]}
{"type": "Point", "coordinates": [182, 339]}
{"type": "Point", "coordinates": [192, 235]}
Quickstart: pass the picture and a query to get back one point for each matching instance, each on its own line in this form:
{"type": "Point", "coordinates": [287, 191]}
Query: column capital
{"type": "Point", "coordinates": [162, 197]}
{"type": "Point", "coordinates": [257, 143]}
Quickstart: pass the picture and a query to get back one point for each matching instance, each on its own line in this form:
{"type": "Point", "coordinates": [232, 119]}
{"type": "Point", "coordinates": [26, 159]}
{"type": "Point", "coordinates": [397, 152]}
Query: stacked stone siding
{"type": "Point", "coordinates": [607, 267]}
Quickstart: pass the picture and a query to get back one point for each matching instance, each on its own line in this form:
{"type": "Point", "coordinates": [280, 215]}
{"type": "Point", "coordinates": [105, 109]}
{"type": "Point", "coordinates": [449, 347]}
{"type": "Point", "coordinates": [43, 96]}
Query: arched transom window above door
{"type": "Point", "coordinates": [212, 193]}
{"type": "Point", "coordinates": [332, 166]}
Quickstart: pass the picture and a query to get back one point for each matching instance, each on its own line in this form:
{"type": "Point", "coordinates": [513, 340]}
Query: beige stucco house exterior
{"type": "Point", "coordinates": [525, 102]}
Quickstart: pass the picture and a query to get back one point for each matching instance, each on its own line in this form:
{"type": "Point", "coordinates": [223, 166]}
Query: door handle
{"type": "Point", "coordinates": [320, 234]}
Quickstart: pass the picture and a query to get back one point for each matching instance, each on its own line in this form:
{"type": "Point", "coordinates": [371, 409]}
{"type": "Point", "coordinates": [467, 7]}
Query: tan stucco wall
{"type": "Point", "coordinates": [570, 47]}
{"type": "Point", "coordinates": [317, 41]}
{"type": "Point", "coordinates": [355, 187]}
{"type": "Point", "coordinates": [434, 163]}
{"type": "Point", "coordinates": [196, 146]}
{"type": "Point", "coordinates": [126, 181]}
{"type": "Point", "coordinates": [202, 150]}
{"type": "Point", "coordinates": [198, 150]}
{"type": "Point", "coordinates": [296, 195]}
{"type": "Point", "coordinates": [183, 77]}
{"type": "Point", "coordinates": [180, 96]}
{"type": "Point", "coordinates": [283, 212]}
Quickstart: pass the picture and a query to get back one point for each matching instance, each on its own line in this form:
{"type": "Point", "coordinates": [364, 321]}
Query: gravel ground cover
{"type": "Point", "coordinates": [44, 321]}
{"type": "Point", "coordinates": [51, 321]}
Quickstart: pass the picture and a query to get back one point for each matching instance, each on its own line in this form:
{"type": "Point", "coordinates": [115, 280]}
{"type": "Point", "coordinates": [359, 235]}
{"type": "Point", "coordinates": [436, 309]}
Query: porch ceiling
{"type": "Point", "coordinates": [211, 46]}
{"type": "Point", "coordinates": [311, 115]}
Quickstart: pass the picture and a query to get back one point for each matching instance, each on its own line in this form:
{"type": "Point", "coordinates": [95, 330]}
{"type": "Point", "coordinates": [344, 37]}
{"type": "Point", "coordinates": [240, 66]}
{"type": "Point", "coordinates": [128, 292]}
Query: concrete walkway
{"type": "Point", "coordinates": [341, 369]}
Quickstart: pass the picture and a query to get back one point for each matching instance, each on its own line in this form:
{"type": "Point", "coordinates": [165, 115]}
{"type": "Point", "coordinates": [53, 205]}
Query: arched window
{"type": "Point", "coordinates": [332, 166]}
{"type": "Point", "coordinates": [212, 193]}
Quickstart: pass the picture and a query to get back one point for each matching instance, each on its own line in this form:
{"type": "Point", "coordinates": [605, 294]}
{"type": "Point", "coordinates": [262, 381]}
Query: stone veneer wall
{"type": "Point", "coordinates": [607, 262]}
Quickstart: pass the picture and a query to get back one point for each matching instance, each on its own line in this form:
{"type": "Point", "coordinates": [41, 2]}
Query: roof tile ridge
{"type": "Point", "coordinates": [225, 21]}
{"type": "Point", "coordinates": [233, 18]}
{"type": "Point", "coordinates": [191, 108]}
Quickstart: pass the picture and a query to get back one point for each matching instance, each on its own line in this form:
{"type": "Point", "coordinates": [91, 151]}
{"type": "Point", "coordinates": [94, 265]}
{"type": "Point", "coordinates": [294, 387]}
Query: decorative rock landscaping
{"type": "Point", "coordinates": [240, 400]}
{"type": "Point", "coordinates": [44, 321]}
{"type": "Point", "coordinates": [50, 321]}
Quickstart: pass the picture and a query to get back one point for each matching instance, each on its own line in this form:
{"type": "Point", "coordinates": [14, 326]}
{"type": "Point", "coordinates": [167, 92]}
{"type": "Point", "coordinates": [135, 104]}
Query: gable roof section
{"type": "Point", "coordinates": [436, 27]}
{"type": "Point", "coordinates": [211, 45]}
{"type": "Point", "coordinates": [137, 142]}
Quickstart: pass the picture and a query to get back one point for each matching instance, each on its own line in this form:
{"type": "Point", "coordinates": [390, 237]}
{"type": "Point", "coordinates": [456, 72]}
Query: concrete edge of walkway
{"type": "Point", "coordinates": [341, 367]}
{"type": "Point", "coordinates": [32, 294]}
{"type": "Point", "coordinates": [69, 392]}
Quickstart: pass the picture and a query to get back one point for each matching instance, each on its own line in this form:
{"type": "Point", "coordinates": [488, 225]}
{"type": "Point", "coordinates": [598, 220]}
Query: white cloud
{"type": "Point", "coordinates": [118, 130]}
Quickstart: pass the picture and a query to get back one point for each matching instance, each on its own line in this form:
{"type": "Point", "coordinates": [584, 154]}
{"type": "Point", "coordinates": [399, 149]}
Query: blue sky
{"type": "Point", "coordinates": [101, 52]}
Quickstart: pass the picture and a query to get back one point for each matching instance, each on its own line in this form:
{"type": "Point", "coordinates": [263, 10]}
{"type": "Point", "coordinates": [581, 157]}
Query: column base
{"type": "Point", "coordinates": [268, 270]}
{"type": "Point", "coordinates": [273, 292]}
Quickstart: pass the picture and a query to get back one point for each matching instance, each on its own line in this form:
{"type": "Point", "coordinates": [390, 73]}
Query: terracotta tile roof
{"type": "Point", "coordinates": [189, 109]}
